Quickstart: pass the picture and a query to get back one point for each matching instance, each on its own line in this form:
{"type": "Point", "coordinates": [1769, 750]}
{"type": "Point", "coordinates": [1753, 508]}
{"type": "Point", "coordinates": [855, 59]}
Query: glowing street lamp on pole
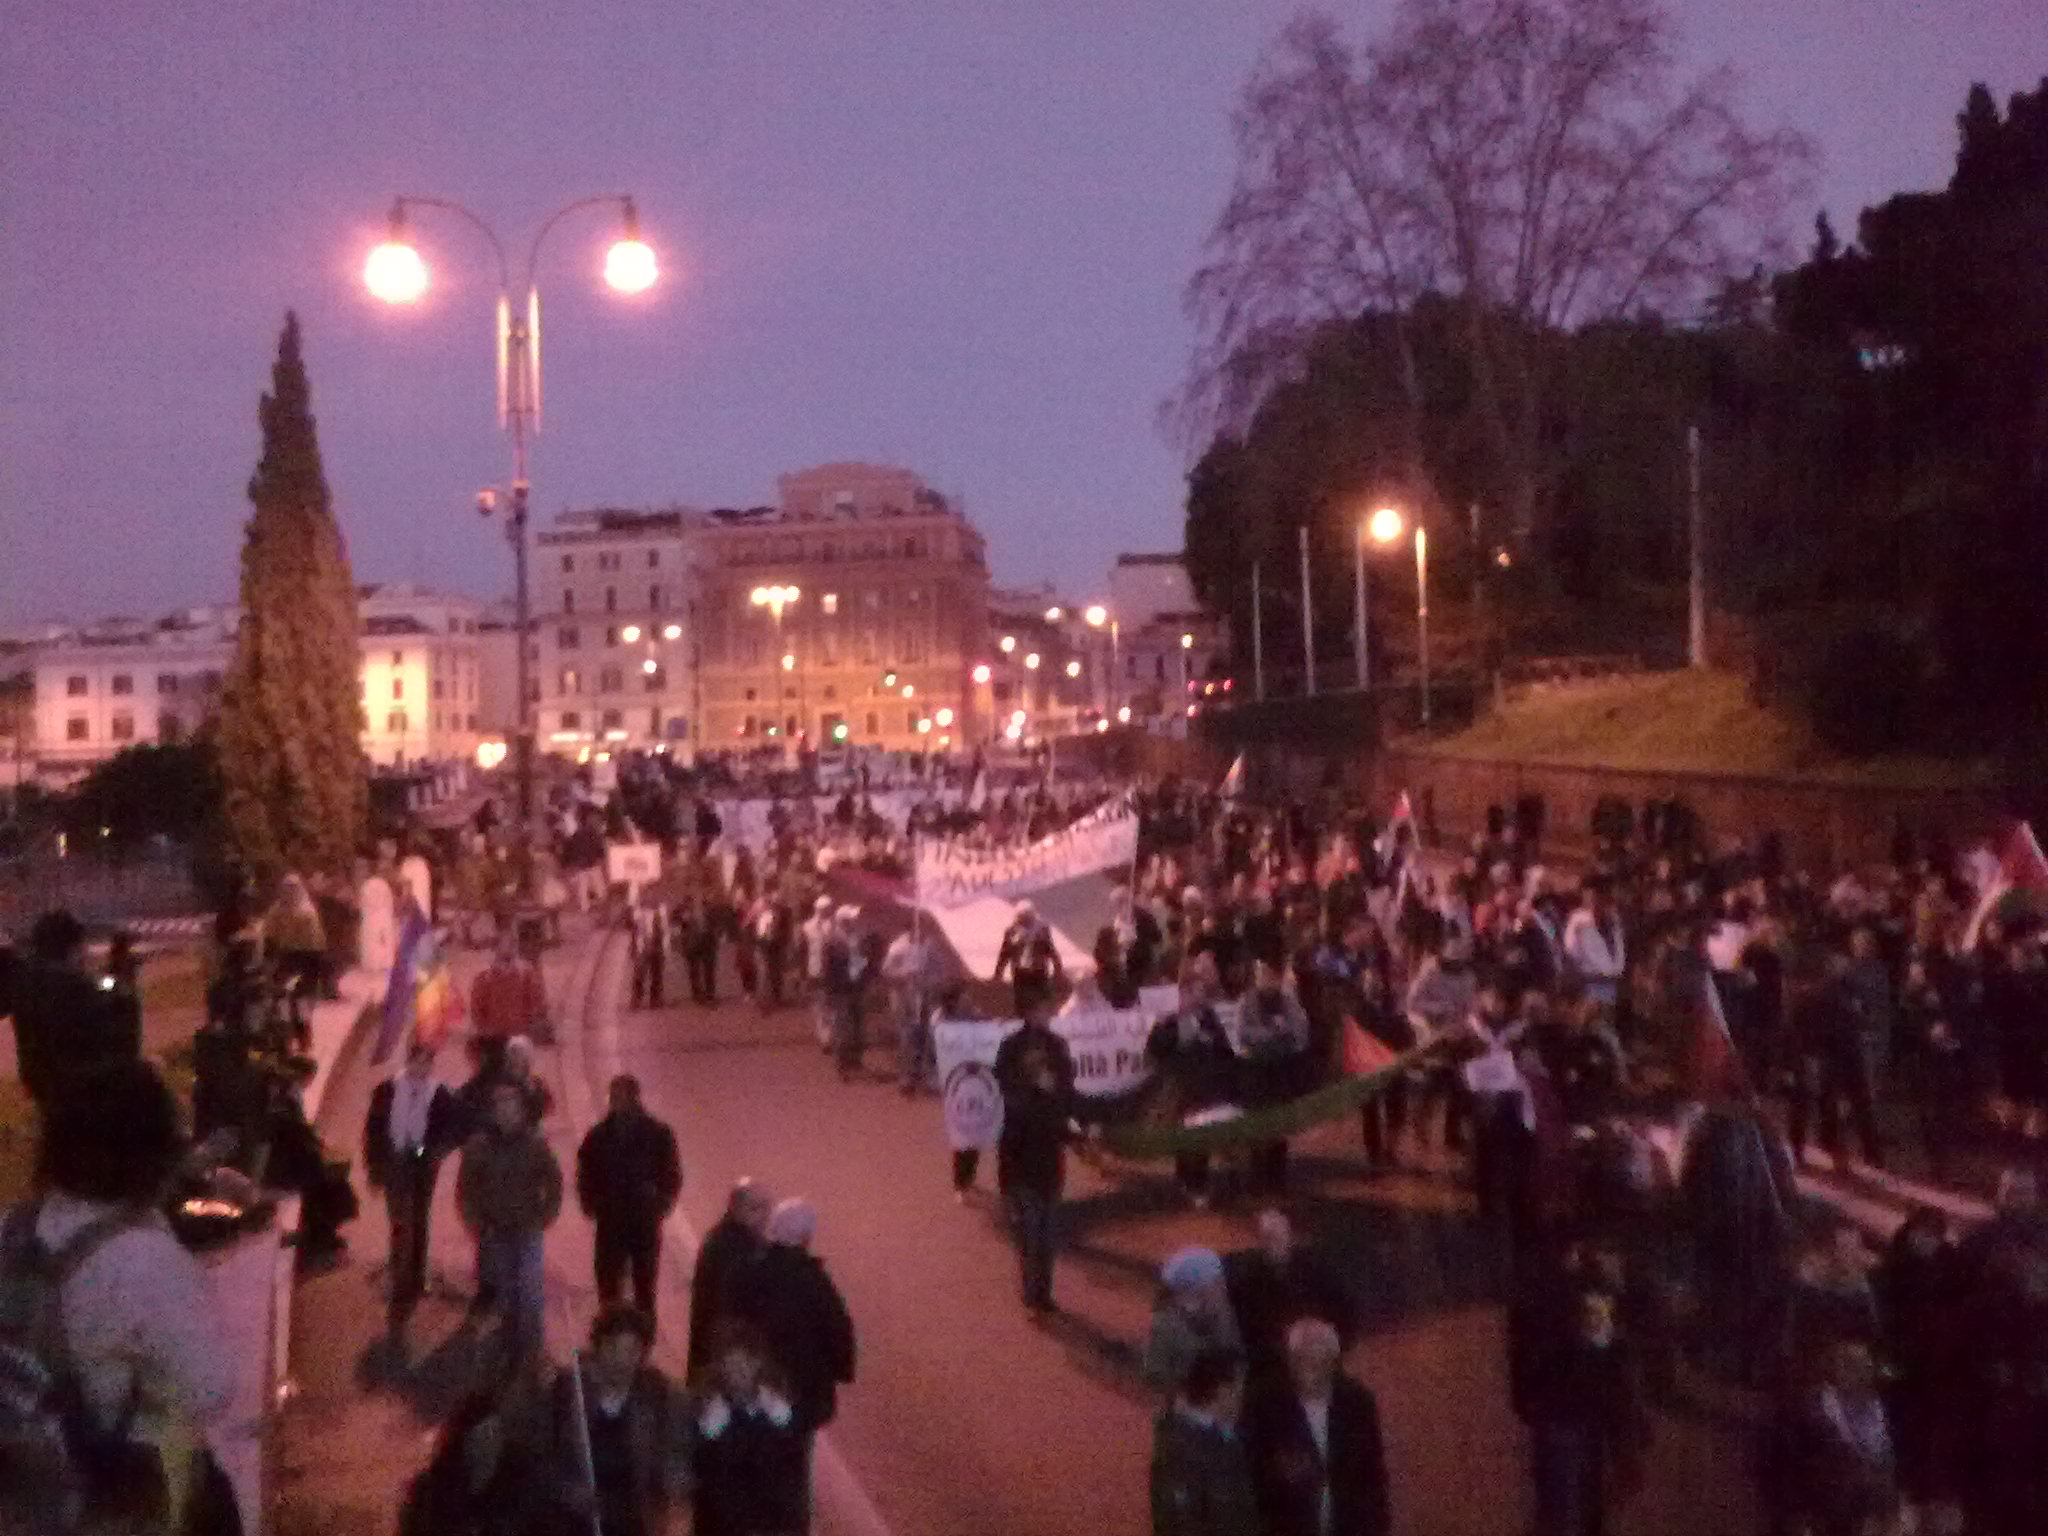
{"type": "Point", "coordinates": [775, 599]}
{"type": "Point", "coordinates": [1096, 616]}
{"type": "Point", "coordinates": [396, 273]}
{"type": "Point", "coordinates": [1384, 527]}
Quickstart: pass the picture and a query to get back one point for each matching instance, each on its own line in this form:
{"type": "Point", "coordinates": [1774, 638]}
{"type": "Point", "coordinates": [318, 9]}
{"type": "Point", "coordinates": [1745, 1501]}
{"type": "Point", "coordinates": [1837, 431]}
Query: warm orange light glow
{"type": "Point", "coordinates": [788, 661]}
{"type": "Point", "coordinates": [395, 273]}
{"type": "Point", "coordinates": [1053, 614]}
{"type": "Point", "coordinates": [630, 267]}
{"type": "Point", "coordinates": [1385, 525]}
{"type": "Point", "coordinates": [982, 673]}
{"type": "Point", "coordinates": [1073, 669]}
{"type": "Point", "coordinates": [673, 632]}
{"type": "Point", "coordinates": [630, 633]}
{"type": "Point", "coordinates": [1097, 615]}
{"type": "Point", "coordinates": [1031, 661]}
{"type": "Point", "coordinates": [944, 717]}
{"type": "Point", "coordinates": [1007, 644]}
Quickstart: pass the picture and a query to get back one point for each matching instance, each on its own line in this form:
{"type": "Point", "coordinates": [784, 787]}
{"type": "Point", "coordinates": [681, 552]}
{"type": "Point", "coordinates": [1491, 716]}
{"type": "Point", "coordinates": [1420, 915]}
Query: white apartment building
{"type": "Point", "coordinates": [611, 595]}
{"type": "Point", "coordinates": [125, 681]}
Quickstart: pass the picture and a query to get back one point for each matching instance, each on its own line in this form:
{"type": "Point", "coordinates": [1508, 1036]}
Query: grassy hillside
{"type": "Point", "coordinates": [1684, 722]}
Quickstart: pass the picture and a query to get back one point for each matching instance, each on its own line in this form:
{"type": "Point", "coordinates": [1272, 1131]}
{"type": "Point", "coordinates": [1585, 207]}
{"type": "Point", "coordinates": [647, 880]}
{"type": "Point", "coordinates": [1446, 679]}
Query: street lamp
{"type": "Point", "coordinates": [630, 634]}
{"type": "Point", "coordinates": [982, 673]}
{"type": "Point", "coordinates": [396, 274]}
{"type": "Point", "coordinates": [1383, 527]}
{"type": "Point", "coordinates": [1007, 644]}
{"type": "Point", "coordinates": [1097, 616]}
{"type": "Point", "coordinates": [775, 599]}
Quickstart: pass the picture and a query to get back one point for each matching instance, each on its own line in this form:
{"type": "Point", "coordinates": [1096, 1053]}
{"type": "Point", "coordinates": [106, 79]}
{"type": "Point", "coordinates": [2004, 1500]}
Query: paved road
{"type": "Point", "coordinates": [966, 1420]}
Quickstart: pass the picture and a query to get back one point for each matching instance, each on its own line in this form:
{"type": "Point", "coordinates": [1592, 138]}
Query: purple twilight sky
{"type": "Point", "coordinates": [946, 235]}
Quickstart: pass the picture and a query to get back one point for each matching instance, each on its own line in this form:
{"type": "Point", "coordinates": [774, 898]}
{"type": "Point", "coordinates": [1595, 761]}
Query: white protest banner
{"type": "Point", "coordinates": [966, 1052]}
{"type": "Point", "coordinates": [951, 873]}
{"type": "Point", "coordinates": [632, 863]}
{"type": "Point", "coordinates": [1109, 1049]}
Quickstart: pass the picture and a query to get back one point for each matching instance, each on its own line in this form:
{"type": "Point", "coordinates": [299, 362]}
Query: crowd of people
{"type": "Point", "coordinates": [1630, 1064]}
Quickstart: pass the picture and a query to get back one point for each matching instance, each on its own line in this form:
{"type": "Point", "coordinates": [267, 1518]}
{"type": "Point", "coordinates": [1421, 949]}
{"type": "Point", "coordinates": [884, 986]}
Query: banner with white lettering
{"type": "Point", "coordinates": [1108, 1046]}
{"type": "Point", "coordinates": [951, 872]}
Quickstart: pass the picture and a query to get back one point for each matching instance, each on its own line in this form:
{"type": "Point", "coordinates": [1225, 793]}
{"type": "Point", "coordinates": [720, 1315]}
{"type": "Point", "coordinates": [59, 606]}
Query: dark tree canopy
{"type": "Point", "coordinates": [290, 718]}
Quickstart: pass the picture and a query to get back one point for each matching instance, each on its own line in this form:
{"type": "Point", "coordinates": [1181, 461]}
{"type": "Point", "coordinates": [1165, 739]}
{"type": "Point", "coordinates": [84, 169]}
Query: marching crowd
{"type": "Point", "coordinates": [1629, 1066]}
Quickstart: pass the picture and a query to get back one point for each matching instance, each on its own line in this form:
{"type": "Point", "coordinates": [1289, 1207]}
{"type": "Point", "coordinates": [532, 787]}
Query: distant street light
{"type": "Point", "coordinates": [1097, 616]}
{"type": "Point", "coordinates": [396, 274]}
{"type": "Point", "coordinates": [1031, 662]}
{"type": "Point", "coordinates": [630, 634]}
{"type": "Point", "coordinates": [983, 673]}
{"type": "Point", "coordinates": [1384, 527]}
{"type": "Point", "coordinates": [1054, 614]}
{"type": "Point", "coordinates": [672, 632]}
{"type": "Point", "coordinates": [1073, 669]}
{"type": "Point", "coordinates": [1007, 644]}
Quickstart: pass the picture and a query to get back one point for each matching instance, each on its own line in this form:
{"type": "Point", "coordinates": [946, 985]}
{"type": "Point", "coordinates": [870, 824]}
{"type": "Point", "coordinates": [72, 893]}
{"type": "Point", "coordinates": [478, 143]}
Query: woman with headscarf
{"type": "Point", "coordinates": [1192, 1315]}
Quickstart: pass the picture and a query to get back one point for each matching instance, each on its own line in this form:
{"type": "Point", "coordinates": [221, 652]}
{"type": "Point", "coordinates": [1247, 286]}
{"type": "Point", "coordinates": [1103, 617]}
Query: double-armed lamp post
{"type": "Point", "coordinates": [396, 274]}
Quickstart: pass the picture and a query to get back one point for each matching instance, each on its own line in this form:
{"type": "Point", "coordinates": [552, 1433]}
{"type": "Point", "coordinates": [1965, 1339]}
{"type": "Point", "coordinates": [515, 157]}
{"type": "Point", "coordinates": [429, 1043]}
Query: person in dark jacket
{"type": "Point", "coordinates": [414, 1122]}
{"type": "Point", "coordinates": [480, 1481]}
{"type": "Point", "coordinates": [628, 1177]}
{"type": "Point", "coordinates": [749, 1453]}
{"type": "Point", "coordinates": [625, 1463]}
{"type": "Point", "coordinates": [1276, 1284]}
{"type": "Point", "coordinates": [1035, 1072]}
{"type": "Point", "coordinates": [1573, 1381]}
{"type": "Point", "coordinates": [791, 1301]}
{"type": "Point", "coordinates": [66, 1021]}
{"type": "Point", "coordinates": [724, 1261]}
{"type": "Point", "coordinates": [1201, 1477]}
{"type": "Point", "coordinates": [1030, 957]}
{"type": "Point", "coordinates": [1318, 1462]}
{"type": "Point", "coordinates": [1837, 1442]}
{"type": "Point", "coordinates": [1193, 1055]}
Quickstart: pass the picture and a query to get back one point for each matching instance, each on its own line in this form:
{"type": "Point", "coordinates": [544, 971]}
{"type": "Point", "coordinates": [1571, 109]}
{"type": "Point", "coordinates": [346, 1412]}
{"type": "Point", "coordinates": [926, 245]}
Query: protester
{"type": "Point", "coordinates": [1191, 1316]}
{"type": "Point", "coordinates": [724, 1261]}
{"type": "Point", "coordinates": [1030, 957]}
{"type": "Point", "coordinates": [509, 1191]}
{"type": "Point", "coordinates": [749, 1449]}
{"type": "Point", "coordinates": [131, 1329]}
{"type": "Point", "coordinates": [1201, 1477]}
{"type": "Point", "coordinates": [629, 1176]}
{"type": "Point", "coordinates": [66, 1022]}
{"type": "Point", "coordinates": [508, 999]}
{"type": "Point", "coordinates": [482, 1479]}
{"type": "Point", "coordinates": [907, 970]}
{"type": "Point", "coordinates": [619, 1450]}
{"type": "Point", "coordinates": [790, 1300]}
{"type": "Point", "coordinates": [1276, 1284]}
{"type": "Point", "coordinates": [413, 1123]}
{"type": "Point", "coordinates": [1035, 1072]}
{"type": "Point", "coordinates": [1313, 1435]}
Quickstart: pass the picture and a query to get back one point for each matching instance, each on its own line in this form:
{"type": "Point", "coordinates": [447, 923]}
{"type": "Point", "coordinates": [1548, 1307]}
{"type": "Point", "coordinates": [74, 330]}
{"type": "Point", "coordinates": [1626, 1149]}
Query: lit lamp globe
{"type": "Point", "coordinates": [1384, 526]}
{"type": "Point", "coordinates": [630, 267]}
{"type": "Point", "coordinates": [395, 273]}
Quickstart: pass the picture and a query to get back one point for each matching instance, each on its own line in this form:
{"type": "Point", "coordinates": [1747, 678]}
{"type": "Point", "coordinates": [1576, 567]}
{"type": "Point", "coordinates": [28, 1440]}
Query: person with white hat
{"type": "Point", "coordinates": [816, 929]}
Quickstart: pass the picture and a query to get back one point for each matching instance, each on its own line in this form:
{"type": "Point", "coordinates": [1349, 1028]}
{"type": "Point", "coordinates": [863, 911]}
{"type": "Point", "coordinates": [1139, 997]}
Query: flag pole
{"type": "Point", "coordinates": [585, 1460]}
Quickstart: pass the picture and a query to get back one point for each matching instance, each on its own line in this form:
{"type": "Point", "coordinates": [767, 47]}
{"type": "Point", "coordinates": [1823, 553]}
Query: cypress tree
{"type": "Point", "coordinates": [290, 720]}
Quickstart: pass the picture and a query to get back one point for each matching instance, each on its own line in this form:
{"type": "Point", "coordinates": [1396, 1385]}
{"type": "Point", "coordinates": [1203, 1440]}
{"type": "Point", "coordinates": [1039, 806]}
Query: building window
{"type": "Point", "coordinates": [170, 729]}
{"type": "Point", "coordinates": [568, 564]}
{"type": "Point", "coordinates": [831, 693]}
{"type": "Point", "coordinates": [750, 695]}
{"type": "Point", "coordinates": [611, 634]}
{"type": "Point", "coordinates": [749, 726]}
{"type": "Point", "coordinates": [828, 647]}
{"type": "Point", "coordinates": [874, 724]}
{"type": "Point", "coordinates": [395, 723]}
{"type": "Point", "coordinates": [568, 600]}
{"type": "Point", "coordinates": [75, 729]}
{"type": "Point", "coordinates": [610, 720]}
{"type": "Point", "coordinates": [211, 682]}
{"type": "Point", "coordinates": [608, 680]}
{"type": "Point", "coordinates": [607, 562]}
{"type": "Point", "coordinates": [654, 680]}
{"type": "Point", "coordinates": [654, 559]}
{"type": "Point", "coordinates": [440, 689]}
{"type": "Point", "coordinates": [571, 720]}
{"type": "Point", "coordinates": [167, 682]}
{"type": "Point", "coordinates": [123, 728]}
{"type": "Point", "coordinates": [654, 598]}
{"type": "Point", "coordinates": [829, 602]}
{"type": "Point", "coordinates": [398, 687]}
{"type": "Point", "coordinates": [864, 647]}
{"type": "Point", "coordinates": [123, 683]}
{"type": "Point", "coordinates": [567, 682]}
{"type": "Point", "coordinates": [910, 721]}
{"type": "Point", "coordinates": [568, 638]}
{"type": "Point", "coordinates": [398, 658]}
{"type": "Point", "coordinates": [611, 599]}
{"type": "Point", "coordinates": [75, 686]}
{"type": "Point", "coordinates": [472, 722]}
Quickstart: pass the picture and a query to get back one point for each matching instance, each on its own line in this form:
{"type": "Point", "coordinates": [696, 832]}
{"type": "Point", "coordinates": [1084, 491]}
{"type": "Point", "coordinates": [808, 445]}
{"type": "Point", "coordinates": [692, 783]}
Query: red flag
{"type": "Point", "coordinates": [1713, 1067]}
{"type": "Point", "coordinates": [1364, 1053]}
{"type": "Point", "coordinates": [2020, 863]}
